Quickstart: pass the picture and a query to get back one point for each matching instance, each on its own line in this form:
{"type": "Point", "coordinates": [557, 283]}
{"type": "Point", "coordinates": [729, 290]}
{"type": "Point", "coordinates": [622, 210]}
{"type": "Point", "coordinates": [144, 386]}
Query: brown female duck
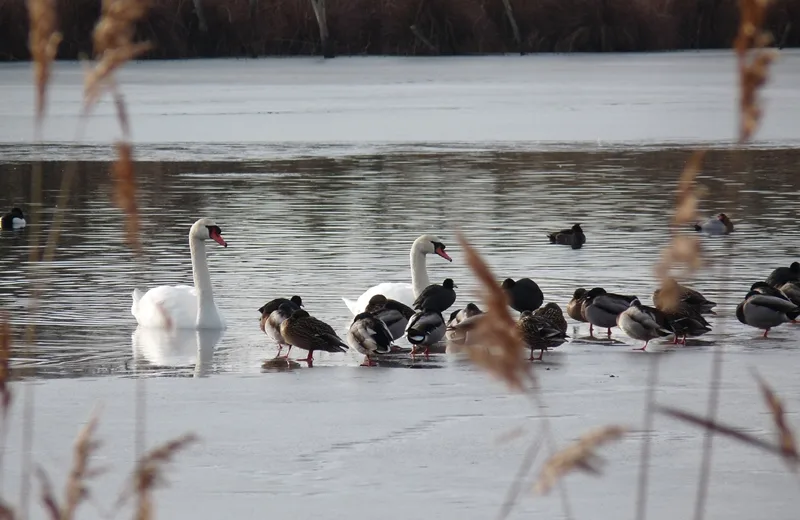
{"type": "Point", "coordinates": [308, 333]}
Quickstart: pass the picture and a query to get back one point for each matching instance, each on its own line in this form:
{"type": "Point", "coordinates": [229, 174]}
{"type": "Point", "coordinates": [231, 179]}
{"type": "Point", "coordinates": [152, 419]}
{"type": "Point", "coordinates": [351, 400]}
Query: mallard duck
{"type": "Point", "coordinates": [523, 294]}
{"type": "Point", "coordinates": [685, 321]}
{"type": "Point", "coordinates": [370, 336]}
{"type": "Point", "coordinates": [392, 312]}
{"type": "Point", "coordinates": [792, 291]}
{"type": "Point", "coordinates": [437, 298]}
{"type": "Point", "coordinates": [272, 315]}
{"type": "Point", "coordinates": [453, 333]}
{"type": "Point", "coordinates": [539, 333]}
{"type": "Point", "coordinates": [781, 275]}
{"type": "Point", "coordinates": [601, 308]}
{"type": "Point", "coordinates": [768, 290]}
{"type": "Point", "coordinates": [719, 225]}
{"type": "Point", "coordinates": [765, 312]}
{"type": "Point", "coordinates": [570, 237]}
{"type": "Point", "coordinates": [425, 328]}
{"type": "Point", "coordinates": [575, 305]}
{"type": "Point", "coordinates": [552, 313]}
{"type": "Point", "coordinates": [685, 294]}
{"type": "Point", "coordinates": [308, 333]}
{"type": "Point", "coordinates": [643, 323]}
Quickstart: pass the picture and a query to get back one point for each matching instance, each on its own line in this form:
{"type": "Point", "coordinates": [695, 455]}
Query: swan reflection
{"type": "Point", "coordinates": [176, 348]}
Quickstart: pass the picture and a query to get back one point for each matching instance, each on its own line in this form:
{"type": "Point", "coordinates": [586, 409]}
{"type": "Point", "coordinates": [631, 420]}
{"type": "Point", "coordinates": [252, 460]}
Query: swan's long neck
{"type": "Point", "coordinates": [419, 271]}
{"type": "Point", "coordinates": [206, 310]}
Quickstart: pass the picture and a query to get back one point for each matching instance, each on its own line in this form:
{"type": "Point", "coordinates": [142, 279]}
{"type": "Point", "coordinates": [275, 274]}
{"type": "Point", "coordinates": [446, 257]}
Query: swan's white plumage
{"type": "Point", "coordinates": [402, 291]}
{"type": "Point", "coordinates": [184, 306]}
{"type": "Point", "coordinates": [398, 291]}
{"type": "Point", "coordinates": [168, 306]}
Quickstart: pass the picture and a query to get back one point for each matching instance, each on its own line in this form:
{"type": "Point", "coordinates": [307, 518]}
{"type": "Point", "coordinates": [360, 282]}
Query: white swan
{"type": "Point", "coordinates": [183, 306]}
{"type": "Point", "coordinates": [405, 292]}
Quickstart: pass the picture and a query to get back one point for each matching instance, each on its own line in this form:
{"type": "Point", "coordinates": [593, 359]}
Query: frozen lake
{"type": "Point", "coordinates": [321, 174]}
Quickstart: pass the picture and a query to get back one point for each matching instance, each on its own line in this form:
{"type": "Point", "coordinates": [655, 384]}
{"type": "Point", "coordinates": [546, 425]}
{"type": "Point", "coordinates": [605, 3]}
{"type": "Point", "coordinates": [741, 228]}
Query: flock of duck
{"type": "Point", "coordinates": [390, 311]}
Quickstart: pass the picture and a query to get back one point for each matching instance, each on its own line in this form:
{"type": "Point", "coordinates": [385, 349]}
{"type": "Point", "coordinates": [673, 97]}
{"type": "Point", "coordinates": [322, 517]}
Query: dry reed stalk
{"type": "Point", "coordinates": [495, 343]}
{"type": "Point", "coordinates": [682, 250]}
{"type": "Point", "coordinates": [148, 474]}
{"type": "Point", "coordinates": [76, 490]}
{"type": "Point", "coordinates": [722, 429]}
{"type": "Point", "coordinates": [579, 455]}
{"type": "Point", "coordinates": [786, 438]}
{"type": "Point", "coordinates": [753, 61]}
{"type": "Point", "coordinates": [5, 365]}
{"type": "Point", "coordinates": [517, 484]}
{"type": "Point", "coordinates": [113, 45]}
{"type": "Point", "coordinates": [5, 376]}
{"type": "Point", "coordinates": [6, 512]}
{"type": "Point", "coordinates": [43, 41]}
{"type": "Point", "coordinates": [125, 194]}
{"type": "Point", "coordinates": [649, 419]}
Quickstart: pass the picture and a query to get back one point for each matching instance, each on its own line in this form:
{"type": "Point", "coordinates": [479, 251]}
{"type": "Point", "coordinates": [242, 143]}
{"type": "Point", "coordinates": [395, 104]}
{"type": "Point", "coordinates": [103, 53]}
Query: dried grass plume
{"type": "Point", "coordinates": [76, 489]}
{"type": "Point", "coordinates": [753, 59]}
{"type": "Point", "coordinates": [148, 474]}
{"type": "Point", "coordinates": [495, 343]}
{"type": "Point", "coordinates": [125, 194]}
{"type": "Point", "coordinates": [683, 250]}
{"type": "Point", "coordinates": [786, 438]}
{"type": "Point", "coordinates": [43, 41]}
{"type": "Point", "coordinates": [579, 455]}
{"type": "Point", "coordinates": [113, 45]}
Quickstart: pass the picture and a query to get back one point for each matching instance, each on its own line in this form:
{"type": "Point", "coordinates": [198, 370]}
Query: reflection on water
{"type": "Point", "coordinates": [325, 228]}
{"type": "Point", "coordinates": [157, 349]}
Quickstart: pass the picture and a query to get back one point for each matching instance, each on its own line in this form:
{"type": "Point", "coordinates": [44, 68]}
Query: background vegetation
{"type": "Point", "coordinates": [235, 28]}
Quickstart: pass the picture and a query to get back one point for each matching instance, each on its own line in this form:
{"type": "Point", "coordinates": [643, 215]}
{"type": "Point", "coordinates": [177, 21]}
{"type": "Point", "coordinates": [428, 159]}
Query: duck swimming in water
{"type": "Point", "coordinates": [569, 237]}
{"type": "Point", "coordinates": [719, 225]}
{"type": "Point", "coordinates": [14, 219]}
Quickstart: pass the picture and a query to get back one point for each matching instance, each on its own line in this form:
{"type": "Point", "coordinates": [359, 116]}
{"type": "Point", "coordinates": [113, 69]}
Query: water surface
{"type": "Point", "coordinates": [321, 175]}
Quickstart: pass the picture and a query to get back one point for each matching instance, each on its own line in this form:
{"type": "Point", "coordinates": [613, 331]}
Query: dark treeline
{"type": "Point", "coordinates": [231, 28]}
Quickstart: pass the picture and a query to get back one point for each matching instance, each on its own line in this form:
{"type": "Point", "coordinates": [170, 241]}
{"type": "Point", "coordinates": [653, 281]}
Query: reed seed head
{"type": "Point", "coordinates": [43, 41]}
{"type": "Point", "coordinates": [495, 343]}
{"type": "Point", "coordinates": [578, 456]}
